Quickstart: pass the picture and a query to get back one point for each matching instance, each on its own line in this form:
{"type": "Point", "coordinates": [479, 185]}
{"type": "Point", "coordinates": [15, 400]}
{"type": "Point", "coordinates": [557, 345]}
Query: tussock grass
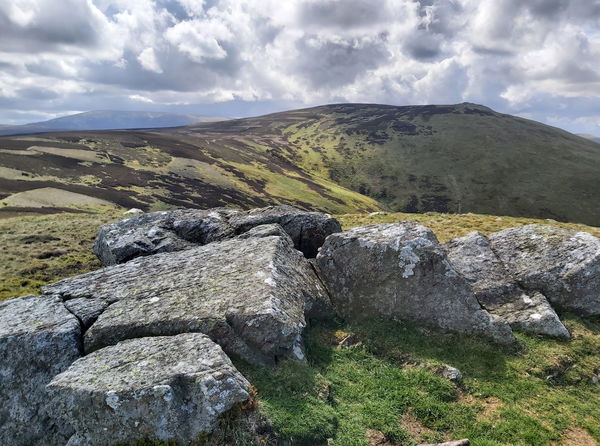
{"type": "Point", "coordinates": [65, 240]}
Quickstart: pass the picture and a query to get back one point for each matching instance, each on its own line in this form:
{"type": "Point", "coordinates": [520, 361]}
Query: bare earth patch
{"type": "Point", "coordinates": [577, 437]}
{"type": "Point", "coordinates": [414, 427]}
{"type": "Point", "coordinates": [376, 438]}
{"type": "Point", "coordinates": [49, 196]}
{"type": "Point", "coordinates": [78, 154]}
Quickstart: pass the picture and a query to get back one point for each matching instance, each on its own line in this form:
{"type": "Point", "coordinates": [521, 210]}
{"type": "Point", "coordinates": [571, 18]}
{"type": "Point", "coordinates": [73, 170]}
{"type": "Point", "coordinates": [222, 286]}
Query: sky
{"type": "Point", "coordinates": [539, 59]}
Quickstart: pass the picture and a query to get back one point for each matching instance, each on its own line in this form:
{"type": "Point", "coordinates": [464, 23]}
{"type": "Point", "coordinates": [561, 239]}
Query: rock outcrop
{"type": "Point", "coordinates": [169, 231]}
{"type": "Point", "coordinates": [252, 296]}
{"type": "Point", "coordinates": [308, 230]}
{"type": "Point", "coordinates": [562, 264]}
{"type": "Point", "coordinates": [400, 271]}
{"type": "Point", "coordinates": [139, 348]}
{"type": "Point", "coordinates": [165, 388]}
{"type": "Point", "coordinates": [39, 339]}
{"type": "Point", "coordinates": [498, 292]}
{"type": "Point", "coordinates": [156, 232]}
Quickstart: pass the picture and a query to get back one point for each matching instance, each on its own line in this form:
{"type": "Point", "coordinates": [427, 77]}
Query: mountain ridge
{"type": "Point", "coordinates": [337, 158]}
{"type": "Point", "coordinates": [108, 120]}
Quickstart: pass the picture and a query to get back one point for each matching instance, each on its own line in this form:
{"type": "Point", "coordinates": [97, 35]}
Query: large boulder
{"type": "Point", "coordinates": [39, 338]}
{"type": "Point", "coordinates": [163, 388]}
{"type": "Point", "coordinates": [252, 296]}
{"type": "Point", "coordinates": [165, 231]}
{"type": "Point", "coordinates": [562, 264]}
{"type": "Point", "coordinates": [400, 271]}
{"type": "Point", "coordinates": [169, 231]}
{"type": "Point", "coordinates": [308, 230]}
{"type": "Point", "coordinates": [498, 292]}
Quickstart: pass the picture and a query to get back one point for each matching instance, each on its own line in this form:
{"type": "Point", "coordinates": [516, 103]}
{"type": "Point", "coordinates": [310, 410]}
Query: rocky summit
{"type": "Point", "coordinates": [157, 232]}
{"type": "Point", "coordinates": [250, 295]}
{"type": "Point", "coordinates": [141, 348]}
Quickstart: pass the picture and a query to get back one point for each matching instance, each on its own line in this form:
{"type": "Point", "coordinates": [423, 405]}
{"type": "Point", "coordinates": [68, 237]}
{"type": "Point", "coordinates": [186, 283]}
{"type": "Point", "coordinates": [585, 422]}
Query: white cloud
{"type": "Point", "coordinates": [148, 60]}
{"type": "Point", "coordinates": [199, 39]}
{"type": "Point", "coordinates": [515, 56]}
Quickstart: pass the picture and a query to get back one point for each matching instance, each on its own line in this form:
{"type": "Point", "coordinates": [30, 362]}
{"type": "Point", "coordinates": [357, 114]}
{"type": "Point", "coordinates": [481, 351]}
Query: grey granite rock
{"type": "Point", "coordinates": [156, 232]}
{"type": "Point", "coordinates": [267, 230]}
{"type": "Point", "coordinates": [308, 230]}
{"type": "Point", "coordinates": [39, 338]}
{"type": "Point", "coordinates": [562, 264]}
{"type": "Point", "coordinates": [498, 292]}
{"type": "Point", "coordinates": [169, 231]}
{"type": "Point", "coordinates": [250, 296]}
{"type": "Point", "coordinates": [400, 271]}
{"type": "Point", "coordinates": [163, 388]}
{"type": "Point", "coordinates": [450, 373]}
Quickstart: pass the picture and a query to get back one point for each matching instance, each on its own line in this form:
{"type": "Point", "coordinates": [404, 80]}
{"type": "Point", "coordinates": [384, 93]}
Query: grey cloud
{"type": "Point", "coordinates": [179, 72]}
{"type": "Point", "coordinates": [423, 45]}
{"type": "Point", "coordinates": [37, 93]}
{"type": "Point", "coordinates": [64, 22]}
{"type": "Point", "coordinates": [547, 8]}
{"type": "Point", "coordinates": [318, 51]}
{"type": "Point", "coordinates": [337, 63]}
{"type": "Point", "coordinates": [342, 13]}
{"type": "Point", "coordinates": [492, 51]}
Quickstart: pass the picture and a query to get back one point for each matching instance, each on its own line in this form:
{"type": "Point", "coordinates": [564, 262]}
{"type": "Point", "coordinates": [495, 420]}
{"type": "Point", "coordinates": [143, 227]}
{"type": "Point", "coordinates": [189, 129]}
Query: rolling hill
{"type": "Point", "coordinates": [590, 137]}
{"type": "Point", "coordinates": [107, 120]}
{"type": "Point", "coordinates": [339, 158]}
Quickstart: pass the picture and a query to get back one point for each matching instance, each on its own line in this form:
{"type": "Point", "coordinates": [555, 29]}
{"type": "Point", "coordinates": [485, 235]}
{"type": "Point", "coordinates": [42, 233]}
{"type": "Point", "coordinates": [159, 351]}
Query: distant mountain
{"type": "Point", "coordinates": [340, 158]}
{"type": "Point", "coordinates": [590, 137]}
{"type": "Point", "coordinates": [108, 120]}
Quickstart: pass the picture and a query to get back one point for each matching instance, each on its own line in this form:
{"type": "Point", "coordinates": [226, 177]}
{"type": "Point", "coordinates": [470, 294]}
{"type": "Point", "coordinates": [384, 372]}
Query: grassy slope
{"type": "Point", "coordinates": [383, 387]}
{"type": "Point", "coordinates": [154, 170]}
{"type": "Point", "coordinates": [461, 158]}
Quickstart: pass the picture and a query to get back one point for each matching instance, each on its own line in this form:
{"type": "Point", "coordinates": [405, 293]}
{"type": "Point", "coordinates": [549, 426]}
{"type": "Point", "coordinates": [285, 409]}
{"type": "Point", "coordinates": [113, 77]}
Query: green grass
{"type": "Point", "coordinates": [345, 394]}
{"type": "Point", "coordinates": [69, 236]}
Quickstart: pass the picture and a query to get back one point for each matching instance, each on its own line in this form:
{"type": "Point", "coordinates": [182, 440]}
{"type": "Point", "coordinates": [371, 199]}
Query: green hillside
{"type": "Point", "coordinates": [155, 170]}
{"type": "Point", "coordinates": [337, 158]}
{"type": "Point", "coordinates": [454, 158]}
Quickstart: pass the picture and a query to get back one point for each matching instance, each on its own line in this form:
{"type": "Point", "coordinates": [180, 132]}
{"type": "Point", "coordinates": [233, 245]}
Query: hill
{"type": "Point", "coordinates": [450, 158]}
{"type": "Point", "coordinates": [155, 170]}
{"type": "Point", "coordinates": [590, 137]}
{"type": "Point", "coordinates": [338, 158]}
{"type": "Point", "coordinates": [107, 120]}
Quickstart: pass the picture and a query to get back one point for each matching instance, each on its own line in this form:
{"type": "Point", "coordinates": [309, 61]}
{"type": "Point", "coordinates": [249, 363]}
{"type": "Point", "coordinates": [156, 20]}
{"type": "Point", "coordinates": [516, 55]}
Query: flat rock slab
{"type": "Point", "coordinates": [400, 271]}
{"type": "Point", "coordinates": [562, 264]}
{"type": "Point", "coordinates": [39, 338]}
{"type": "Point", "coordinates": [498, 292]}
{"type": "Point", "coordinates": [170, 231]}
{"type": "Point", "coordinates": [251, 296]}
{"type": "Point", "coordinates": [164, 388]}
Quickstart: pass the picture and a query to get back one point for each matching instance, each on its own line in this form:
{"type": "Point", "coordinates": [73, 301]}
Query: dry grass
{"type": "Point", "coordinates": [40, 249]}
{"type": "Point", "coordinates": [449, 226]}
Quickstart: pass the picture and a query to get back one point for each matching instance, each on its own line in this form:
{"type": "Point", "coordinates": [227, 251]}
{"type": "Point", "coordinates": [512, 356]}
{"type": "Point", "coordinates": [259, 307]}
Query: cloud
{"type": "Point", "coordinates": [148, 61]}
{"type": "Point", "coordinates": [246, 56]}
